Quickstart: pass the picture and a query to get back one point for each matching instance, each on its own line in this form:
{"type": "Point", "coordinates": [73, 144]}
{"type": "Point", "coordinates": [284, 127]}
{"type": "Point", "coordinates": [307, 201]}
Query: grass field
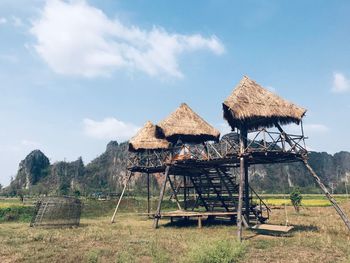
{"type": "Point", "coordinates": [319, 236]}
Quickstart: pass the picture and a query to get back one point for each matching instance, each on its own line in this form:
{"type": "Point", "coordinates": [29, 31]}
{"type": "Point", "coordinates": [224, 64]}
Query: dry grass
{"type": "Point", "coordinates": [320, 236]}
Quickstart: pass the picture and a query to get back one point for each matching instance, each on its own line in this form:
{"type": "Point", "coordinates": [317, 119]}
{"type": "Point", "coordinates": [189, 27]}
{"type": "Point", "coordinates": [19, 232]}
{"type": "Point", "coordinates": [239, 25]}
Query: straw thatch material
{"type": "Point", "coordinates": [148, 138]}
{"type": "Point", "coordinates": [253, 106]}
{"type": "Point", "coordinates": [188, 126]}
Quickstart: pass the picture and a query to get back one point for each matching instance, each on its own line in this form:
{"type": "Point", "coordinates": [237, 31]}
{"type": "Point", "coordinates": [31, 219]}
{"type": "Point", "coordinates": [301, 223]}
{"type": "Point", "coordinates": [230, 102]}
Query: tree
{"type": "Point", "coordinates": [296, 197]}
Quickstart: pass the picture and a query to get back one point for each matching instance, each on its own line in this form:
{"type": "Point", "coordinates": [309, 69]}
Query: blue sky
{"type": "Point", "coordinates": [77, 74]}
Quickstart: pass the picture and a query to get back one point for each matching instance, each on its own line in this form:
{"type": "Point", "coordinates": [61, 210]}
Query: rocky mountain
{"type": "Point", "coordinates": [107, 173]}
{"type": "Point", "coordinates": [32, 169]}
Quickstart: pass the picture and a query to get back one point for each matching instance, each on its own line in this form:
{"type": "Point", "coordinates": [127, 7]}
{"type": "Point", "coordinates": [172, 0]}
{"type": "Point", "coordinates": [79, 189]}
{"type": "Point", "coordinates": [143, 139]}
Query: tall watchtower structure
{"type": "Point", "coordinates": [184, 145]}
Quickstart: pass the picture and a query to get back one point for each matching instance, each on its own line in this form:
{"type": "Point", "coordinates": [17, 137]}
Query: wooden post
{"type": "Point", "coordinates": [148, 196]}
{"type": "Point", "coordinates": [243, 144]}
{"type": "Point", "coordinates": [185, 201]}
{"type": "Point", "coordinates": [199, 221]}
{"type": "Point", "coordinates": [120, 198]}
{"type": "Point", "coordinates": [339, 210]}
{"type": "Point", "coordinates": [161, 195]}
{"type": "Point", "coordinates": [240, 200]}
{"type": "Point", "coordinates": [246, 192]}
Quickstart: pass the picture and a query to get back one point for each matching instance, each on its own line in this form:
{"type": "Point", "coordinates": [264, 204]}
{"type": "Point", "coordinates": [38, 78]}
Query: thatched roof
{"type": "Point", "coordinates": [188, 126]}
{"type": "Point", "coordinates": [253, 106]}
{"type": "Point", "coordinates": [148, 139]}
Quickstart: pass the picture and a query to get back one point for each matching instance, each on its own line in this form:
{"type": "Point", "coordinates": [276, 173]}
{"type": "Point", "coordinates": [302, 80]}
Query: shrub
{"type": "Point", "coordinates": [16, 213]}
{"type": "Point", "coordinates": [295, 198]}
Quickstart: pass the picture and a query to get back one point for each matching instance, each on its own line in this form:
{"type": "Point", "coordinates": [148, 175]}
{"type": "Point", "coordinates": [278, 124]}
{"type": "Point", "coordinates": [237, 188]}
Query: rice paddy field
{"type": "Point", "coordinates": [319, 236]}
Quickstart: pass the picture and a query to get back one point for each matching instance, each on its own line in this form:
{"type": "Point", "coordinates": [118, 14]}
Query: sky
{"type": "Point", "coordinates": [76, 74]}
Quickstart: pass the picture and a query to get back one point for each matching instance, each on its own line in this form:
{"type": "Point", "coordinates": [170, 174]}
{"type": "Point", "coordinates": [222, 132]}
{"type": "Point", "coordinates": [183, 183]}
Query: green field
{"type": "Point", "coordinates": [319, 236]}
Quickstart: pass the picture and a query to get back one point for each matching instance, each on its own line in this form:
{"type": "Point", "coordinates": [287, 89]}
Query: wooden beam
{"type": "Point", "coordinates": [161, 195]}
{"type": "Point", "coordinates": [120, 198]}
{"type": "Point", "coordinates": [246, 192]}
{"type": "Point", "coordinates": [242, 145]}
{"type": "Point", "coordinates": [285, 135]}
{"type": "Point", "coordinates": [240, 201]}
{"type": "Point", "coordinates": [148, 195]}
{"type": "Point", "coordinates": [174, 193]}
{"type": "Point", "coordinates": [199, 193]}
{"type": "Point", "coordinates": [185, 194]}
{"type": "Point", "coordinates": [339, 210]}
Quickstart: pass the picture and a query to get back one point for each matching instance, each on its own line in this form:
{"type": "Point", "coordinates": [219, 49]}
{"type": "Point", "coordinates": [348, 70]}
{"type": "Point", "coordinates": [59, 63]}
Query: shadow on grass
{"type": "Point", "coordinates": [305, 228]}
{"type": "Point", "coordinates": [298, 228]}
{"type": "Point", "coordinates": [194, 223]}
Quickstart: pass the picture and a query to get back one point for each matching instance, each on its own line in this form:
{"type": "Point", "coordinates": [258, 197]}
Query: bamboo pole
{"type": "Point", "coordinates": [339, 210]}
{"type": "Point", "coordinates": [185, 201]}
{"type": "Point", "coordinates": [120, 198]}
{"type": "Point", "coordinates": [174, 193]}
{"type": "Point", "coordinates": [161, 195]}
{"type": "Point", "coordinates": [246, 192]}
{"type": "Point", "coordinates": [242, 143]}
{"type": "Point", "coordinates": [240, 200]}
{"type": "Point", "coordinates": [148, 196]}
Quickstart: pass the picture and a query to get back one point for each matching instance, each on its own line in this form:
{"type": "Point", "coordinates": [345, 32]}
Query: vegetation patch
{"type": "Point", "coordinates": [218, 251]}
{"type": "Point", "coordinates": [16, 213]}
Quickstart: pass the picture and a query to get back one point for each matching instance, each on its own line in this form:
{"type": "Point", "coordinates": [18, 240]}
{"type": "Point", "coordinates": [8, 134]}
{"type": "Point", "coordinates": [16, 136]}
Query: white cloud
{"type": "Point", "coordinates": [75, 38]}
{"type": "Point", "coordinates": [3, 20]}
{"type": "Point", "coordinates": [109, 128]}
{"type": "Point", "coordinates": [340, 83]}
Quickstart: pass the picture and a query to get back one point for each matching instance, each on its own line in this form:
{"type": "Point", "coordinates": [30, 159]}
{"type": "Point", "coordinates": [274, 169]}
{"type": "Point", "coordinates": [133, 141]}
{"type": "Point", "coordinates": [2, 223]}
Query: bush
{"type": "Point", "coordinates": [295, 197]}
{"type": "Point", "coordinates": [221, 251]}
{"type": "Point", "coordinates": [16, 213]}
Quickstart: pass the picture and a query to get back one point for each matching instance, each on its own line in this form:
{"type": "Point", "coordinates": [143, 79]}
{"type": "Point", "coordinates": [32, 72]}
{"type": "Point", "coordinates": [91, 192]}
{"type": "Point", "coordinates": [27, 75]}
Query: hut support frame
{"type": "Point", "coordinates": [324, 189]}
{"type": "Point", "coordinates": [339, 210]}
{"type": "Point", "coordinates": [161, 195]}
{"type": "Point", "coordinates": [121, 197]}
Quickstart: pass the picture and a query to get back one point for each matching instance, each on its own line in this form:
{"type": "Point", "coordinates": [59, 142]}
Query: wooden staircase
{"type": "Point", "coordinates": [217, 191]}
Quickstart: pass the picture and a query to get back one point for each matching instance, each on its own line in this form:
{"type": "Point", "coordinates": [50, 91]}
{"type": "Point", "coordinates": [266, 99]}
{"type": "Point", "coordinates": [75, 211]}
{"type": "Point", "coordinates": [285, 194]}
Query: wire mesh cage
{"type": "Point", "coordinates": [60, 211]}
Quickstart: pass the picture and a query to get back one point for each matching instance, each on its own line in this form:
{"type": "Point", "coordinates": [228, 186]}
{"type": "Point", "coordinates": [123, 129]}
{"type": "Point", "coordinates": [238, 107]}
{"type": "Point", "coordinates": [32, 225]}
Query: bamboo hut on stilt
{"type": "Point", "coordinates": [147, 142]}
{"type": "Point", "coordinates": [184, 145]}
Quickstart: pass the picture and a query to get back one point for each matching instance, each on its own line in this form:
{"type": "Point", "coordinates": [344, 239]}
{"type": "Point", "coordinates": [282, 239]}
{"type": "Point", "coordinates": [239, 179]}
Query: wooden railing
{"type": "Point", "coordinates": [258, 141]}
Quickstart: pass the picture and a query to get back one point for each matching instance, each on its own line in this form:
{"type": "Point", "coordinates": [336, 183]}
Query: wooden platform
{"type": "Point", "coordinates": [198, 215]}
{"type": "Point", "coordinates": [272, 228]}
{"type": "Point", "coordinates": [183, 213]}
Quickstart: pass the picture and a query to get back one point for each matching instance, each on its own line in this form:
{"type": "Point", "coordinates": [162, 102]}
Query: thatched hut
{"type": "Point", "coordinates": [186, 125]}
{"type": "Point", "coordinates": [148, 138]}
{"type": "Point", "coordinates": [252, 106]}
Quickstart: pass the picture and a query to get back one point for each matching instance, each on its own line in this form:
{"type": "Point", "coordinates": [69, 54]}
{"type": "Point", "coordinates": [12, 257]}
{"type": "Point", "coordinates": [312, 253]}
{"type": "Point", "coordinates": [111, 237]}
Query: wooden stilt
{"type": "Point", "coordinates": [161, 195]}
{"type": "Point", "coordinates": [246, 192]}
{"type": "Point", "coordinates": [199, 222]}
{"type": "Point", "coordinates": [148, 196]}
{"type": "Point", "coordinates": [185, 189]}
{"type": "Point", "coordinates": [243, 145]}
{"type": "Point", "coordinates": [240, 200]}
{"type": "Point", "coordinates": [120, 197]}
{"type": "Point", "coordinates": [339, 210]}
